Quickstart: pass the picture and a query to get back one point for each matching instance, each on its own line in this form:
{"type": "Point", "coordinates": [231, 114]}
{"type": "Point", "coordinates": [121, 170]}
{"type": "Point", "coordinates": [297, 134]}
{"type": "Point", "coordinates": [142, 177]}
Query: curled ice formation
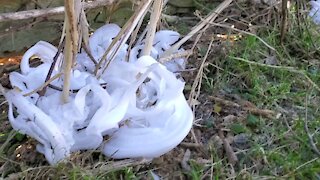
{"type": "Point", "coordinates": [138, 104]}
{"type": "Point", "coordinates": [154, 125]}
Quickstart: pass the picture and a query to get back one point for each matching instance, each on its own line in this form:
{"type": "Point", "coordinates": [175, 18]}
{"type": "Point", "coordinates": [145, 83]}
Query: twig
{"type": "Point", "coordinates": [134, 35]}
{"type": "Point", "coordinates": [9, 138]}
{"type": "Point", "coordinates": [71, 45]}
{"type": "Point", "coordinates": [306, 128]}
{"type": "Point", "coordinates": [122, 37]}
{"type": "Point", "coordinates": [224, 102]}
{"type": "Point", "coordinates": [196, 86]}
{"type": "Point", "coordinates": [262, 112]}
{"type": "Point", "coordinates": [287, 68]}
{"type": "Point", "coordinates": [21, 15]}
{"type": "Point", "coordinates": [185, 159]}
{"type": "Point", "coordinates": [55, 58]}
{"type": "Point", "coordinates": [24, 27]}
{"type": "Point", "coordinates": [176, 55]}
{"type": "Point", "coordinates": [202, 25]}
{"type": "Point", "coordinates": [232, 158]}
{"type": "Point", "coordinates": [87, 50]}
{"type": "Point", "coordinates": [116, 165]}
{"type": "Point", "coordinates": [190, 145]}
{"type": "Point", "coordinates": [155, 16]}
{"type": "Point", "coordinates": [44, 85]}
{"type": "Point", "coordinates": [284, 22]}
{"type": "Point", "coordinates": [244, 32]}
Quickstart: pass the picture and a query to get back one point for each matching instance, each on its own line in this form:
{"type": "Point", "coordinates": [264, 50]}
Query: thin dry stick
{"type": "Point", "coordinates": [155, 16]}
{"type": "Point", "coordinates": [287, 68]}
{"type": "Point", "coordinates": [122, 37]}
{"type": "Point", "coordinates": [196, 86]}
{"type": "Point", "coordinates": [9, 138]}
{"type": "Point", "coordinates": [203, 24]}
{"type": "Point", "coordinates": [176, 55]}
{"type": "Point", "coordinates": [87, 50]}
{"type": "Point", "coordinates": [71, 46]}
{"type": "Point", "coordinates": [244, 32]}
{"type": "Point", "coordinates": [134, 36]}
{"type": "Point", "coordinates": [44, 85]}
{"type": "Point", "coordinates": [21, 15]}
{"type": "Point", "coordinates": [55, 58]}
{"type": "Point", "coordinates": [284, 22]}
{"type": "Point", "coordinates": [232, 158]}
{"type": "Point", "coordinates": [306, 128]}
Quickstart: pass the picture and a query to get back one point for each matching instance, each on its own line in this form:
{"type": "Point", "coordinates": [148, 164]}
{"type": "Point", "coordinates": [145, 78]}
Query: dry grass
{"type": "Point", "coordinates": [253, 97]}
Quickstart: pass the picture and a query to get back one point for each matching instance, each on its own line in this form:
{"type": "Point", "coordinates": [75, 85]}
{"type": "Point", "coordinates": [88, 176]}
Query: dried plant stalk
{"type": "Point", "coordinates": [71, 45]}
{"type": "Point", "coordinates": [203, 24]}
{"type": "Point", "coordinates": [122, 37]}
{"type": "Point", "coordinates": [37, 13]}
{"type": "Point", "coordinates": [155, 16]}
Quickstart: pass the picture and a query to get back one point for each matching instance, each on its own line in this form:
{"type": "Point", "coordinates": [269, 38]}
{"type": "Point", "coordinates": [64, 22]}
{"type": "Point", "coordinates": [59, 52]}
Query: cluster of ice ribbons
{"type": "Point", "coordinates": [315, 11]}
{"type": "Point", "coordinates": [138, 103]}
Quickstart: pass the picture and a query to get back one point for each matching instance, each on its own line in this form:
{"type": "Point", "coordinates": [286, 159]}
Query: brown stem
{"type": "Point", "coordinates": [55, 58]}
{"type": "Point", "coordinates": [29, 14]}
{"type": "Point", "coordinates": [71, 46]}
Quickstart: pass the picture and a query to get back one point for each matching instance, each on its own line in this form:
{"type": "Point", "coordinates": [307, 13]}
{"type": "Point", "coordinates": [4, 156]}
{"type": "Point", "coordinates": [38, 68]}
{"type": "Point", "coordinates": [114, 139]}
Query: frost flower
{"type": "Point", "coordinates": [139, 103]}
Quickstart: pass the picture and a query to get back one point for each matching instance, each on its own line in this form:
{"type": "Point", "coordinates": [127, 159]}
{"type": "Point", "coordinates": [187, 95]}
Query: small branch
{"type": "Point", "coordinates": [284, 22]}
{"type": "Point", "coordinates": [71, 45]}
{"type": "Point", "coordinates": [122, 37]}
{"type": "Point", "coordinates": [155, 16]}
{"type": "Point", "coordinates": [261, 112]}
{"type": "Point", "coordinates": [253, 110]}
{"type": "Point", "coordinates": [44, 85]}
{"type": "Point", "coordinates": [224, 102]}
{"type": "Point", "coordinates": [184, 163]}
{"type": "Point", "coordinates": [306, 128]}
{"type": "Point", "coordinates": [232, 158]}
{"type": "Point", "coordinates": [55, 58]}
{"type": "Point", "coordinates": [286, 68]}
{"type": "Point", "coordinates": [87, 50]}
{"type": "Point", "coordinates": [21, 15]}
{"type": "Point", "coordinates": [202, 25]}
{"type": "Point", "coordinates": [190, 145]}
{"type": "Point", "coordinates": [176, 55]}
{"type": "Point", "coordinates": [244, 32]}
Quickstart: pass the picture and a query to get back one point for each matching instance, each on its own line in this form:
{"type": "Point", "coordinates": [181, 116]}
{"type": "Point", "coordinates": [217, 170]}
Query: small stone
{"type": "Point", "coordinates": [241, 139]}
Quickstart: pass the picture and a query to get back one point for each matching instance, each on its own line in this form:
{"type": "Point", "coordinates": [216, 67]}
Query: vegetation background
{"type": "Point", "coordinates": [253, 82]}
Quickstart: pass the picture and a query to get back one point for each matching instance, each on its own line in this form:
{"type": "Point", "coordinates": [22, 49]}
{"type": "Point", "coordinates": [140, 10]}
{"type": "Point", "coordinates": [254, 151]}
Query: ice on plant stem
{"type": "Point", "coordinates": [139, 104]}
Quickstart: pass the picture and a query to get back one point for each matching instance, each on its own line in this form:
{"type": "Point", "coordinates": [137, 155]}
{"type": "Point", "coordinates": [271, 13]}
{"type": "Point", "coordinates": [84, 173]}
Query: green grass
{"type": "Point", "coordinates": [277, 148]}
{"type": "Point", "coordinates": [248, 71]}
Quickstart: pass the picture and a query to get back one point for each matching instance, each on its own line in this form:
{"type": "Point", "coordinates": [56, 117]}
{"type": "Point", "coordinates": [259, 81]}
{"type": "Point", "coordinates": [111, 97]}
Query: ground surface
{"type": "Point", "coordinates": [256, 103]}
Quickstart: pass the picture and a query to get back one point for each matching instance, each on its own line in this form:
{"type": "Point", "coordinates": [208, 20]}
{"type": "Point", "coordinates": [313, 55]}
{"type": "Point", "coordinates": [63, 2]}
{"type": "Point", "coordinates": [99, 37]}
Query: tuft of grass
{"type": "Point", "coordinates": [285, 81]}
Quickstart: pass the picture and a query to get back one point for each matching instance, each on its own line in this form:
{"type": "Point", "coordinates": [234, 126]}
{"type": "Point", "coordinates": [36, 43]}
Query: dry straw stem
{"type": "Point", "coordinates": [155, 16]}
{"type": "Point", "coordinates": [196, 86]}
{"type": "Point", "coordinates": [109, 166]}
{"type": "Point", "coordinates": [202, 25]}
{"type": "Point", "coordinates": [71, 45]}
{"type": "Point", "coordinates": [232, 158]}
{"type": "Point", "coordinates": [241, 31]}
{"type": "Point", "coordinates": [134, 36]}
{"type": "Point", "coordinates": [286, 68]}
{"type": "Point", "coordinates": [42, 91]}
{"type": "Point", "coordinates": [261, 112]}
{"type": "Point", "coordinates": [176, 55]}
{"type": "Point", "coordinates": [306, 128]}
{"type": "Point", "coordinates": [44, 85]}
{"type": "Point", "coordinates": [21, 15]}
{"type": "Point", "coordinates": [122, 37]}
